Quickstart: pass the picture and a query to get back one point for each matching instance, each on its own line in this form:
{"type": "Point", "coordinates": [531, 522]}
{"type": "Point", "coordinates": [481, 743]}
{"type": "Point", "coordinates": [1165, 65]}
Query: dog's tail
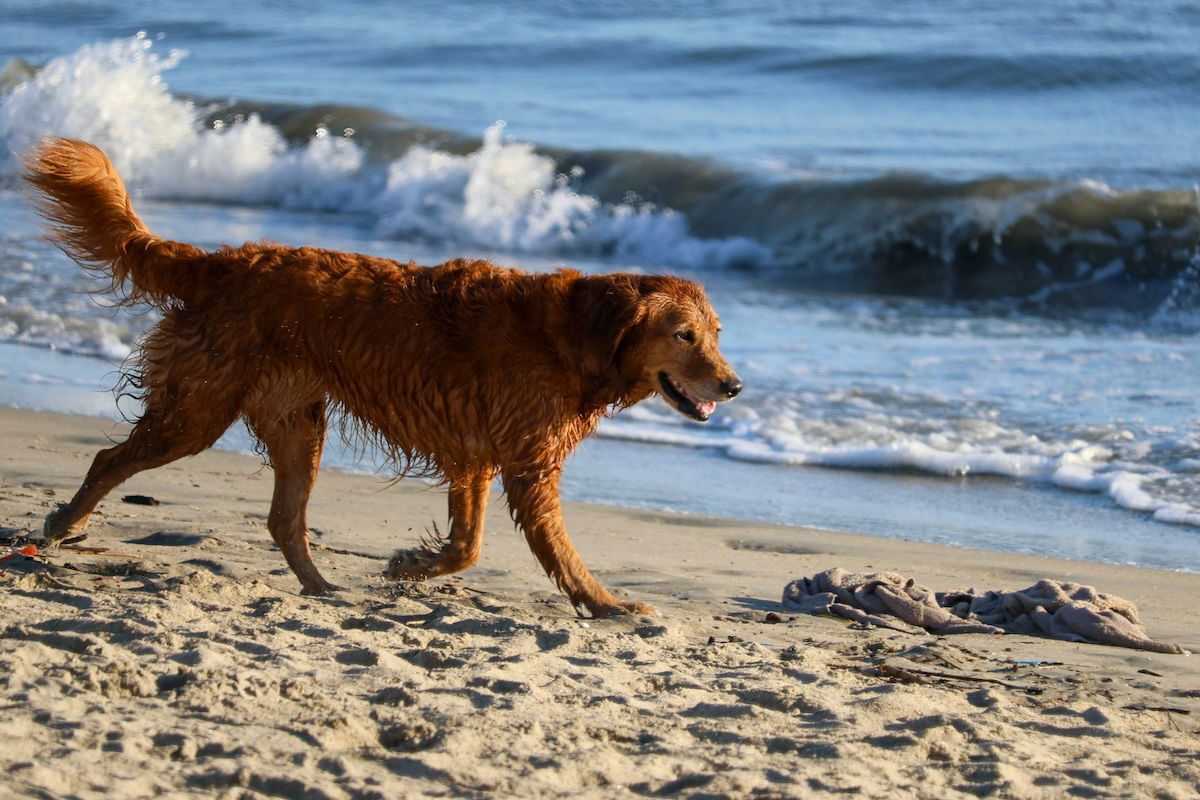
{"type": "Point", "coordinates": [92, 220]}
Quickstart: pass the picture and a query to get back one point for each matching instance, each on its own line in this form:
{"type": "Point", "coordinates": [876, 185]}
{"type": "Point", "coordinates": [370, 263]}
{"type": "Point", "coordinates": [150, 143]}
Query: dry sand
{"type": "Point", "coordinates": [192, 667]}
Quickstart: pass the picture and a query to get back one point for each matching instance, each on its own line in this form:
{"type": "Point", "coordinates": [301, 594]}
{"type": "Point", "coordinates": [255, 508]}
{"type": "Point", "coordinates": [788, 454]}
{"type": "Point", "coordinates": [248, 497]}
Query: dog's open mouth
{"type": "Point", "coordinates": [684, 403]}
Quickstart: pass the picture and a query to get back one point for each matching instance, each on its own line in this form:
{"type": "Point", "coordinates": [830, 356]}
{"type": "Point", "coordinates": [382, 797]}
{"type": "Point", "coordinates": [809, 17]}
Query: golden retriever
{"type": "Point", "coordinates": [465, 371]}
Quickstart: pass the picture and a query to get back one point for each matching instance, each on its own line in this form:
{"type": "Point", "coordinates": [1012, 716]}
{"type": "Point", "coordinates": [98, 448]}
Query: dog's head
{"type": "Point", "coordinates": [656, 334]}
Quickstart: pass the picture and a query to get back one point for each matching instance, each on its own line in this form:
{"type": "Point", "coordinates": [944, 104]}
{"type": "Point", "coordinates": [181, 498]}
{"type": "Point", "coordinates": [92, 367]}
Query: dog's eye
{"type": "Point", "coordinates": [686, 336]}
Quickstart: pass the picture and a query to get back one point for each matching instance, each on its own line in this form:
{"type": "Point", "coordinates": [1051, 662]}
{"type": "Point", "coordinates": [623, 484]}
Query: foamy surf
{"type": "Point", "coordinates": [765, 435]}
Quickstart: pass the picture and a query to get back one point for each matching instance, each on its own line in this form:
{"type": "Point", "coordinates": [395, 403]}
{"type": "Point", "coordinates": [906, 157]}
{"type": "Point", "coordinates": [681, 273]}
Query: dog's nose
{"type": "Point", "coordinates": [731, 388]}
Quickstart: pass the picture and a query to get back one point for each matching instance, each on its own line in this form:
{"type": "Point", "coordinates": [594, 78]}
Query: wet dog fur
{"type": "Point", "coordinates": [466, 371]}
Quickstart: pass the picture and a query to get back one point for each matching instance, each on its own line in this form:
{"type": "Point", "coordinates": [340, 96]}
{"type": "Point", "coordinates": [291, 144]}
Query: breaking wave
{"type": "Point", "coordinates": [502, 195]}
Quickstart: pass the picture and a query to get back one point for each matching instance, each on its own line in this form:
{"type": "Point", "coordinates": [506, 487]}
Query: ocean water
{"type": "Point", "coordinates": [956, 250]}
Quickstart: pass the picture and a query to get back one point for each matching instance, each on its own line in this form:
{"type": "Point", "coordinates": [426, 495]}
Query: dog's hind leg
{"type": "Point", "coordinates": [191, 397]}
{"type": "Point", "coordinates": [294, 441]}
{"type": "Point", "coordinates": [175, 424]}
{"type": "Point", "coordinates": [461, 548]}
{"type": "Point", "coordinates": [533, 498]}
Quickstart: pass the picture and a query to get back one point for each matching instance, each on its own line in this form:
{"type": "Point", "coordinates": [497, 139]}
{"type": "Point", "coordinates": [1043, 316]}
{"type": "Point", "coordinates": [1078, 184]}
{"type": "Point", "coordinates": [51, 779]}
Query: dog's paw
{"type": "Point", "coordinates": [409, 565]}
{"type": "Point", "coordinates": [58, 530]}
{"type": "Point", "coordinates": [625, 609]}
{"type": "Point", "coordinates": [323, 589]}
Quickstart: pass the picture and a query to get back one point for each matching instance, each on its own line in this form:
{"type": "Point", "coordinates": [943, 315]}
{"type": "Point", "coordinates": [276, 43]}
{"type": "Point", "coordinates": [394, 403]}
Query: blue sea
{"type": "Point", "coordinates": [955, 246]}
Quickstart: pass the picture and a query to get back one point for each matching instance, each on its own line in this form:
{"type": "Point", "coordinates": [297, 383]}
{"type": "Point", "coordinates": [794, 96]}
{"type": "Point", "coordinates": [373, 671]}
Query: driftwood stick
{"type": "Point", "coordinates": [1168, 709]}
{"type": "Point", "coordinates": [91, 551]}
{"type": "Point", "coordinates": [885, 668]}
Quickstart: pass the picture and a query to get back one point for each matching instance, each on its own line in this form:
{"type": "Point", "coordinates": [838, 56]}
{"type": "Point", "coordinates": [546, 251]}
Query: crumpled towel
{"type": "Point", "coordinates": [1056, 609]}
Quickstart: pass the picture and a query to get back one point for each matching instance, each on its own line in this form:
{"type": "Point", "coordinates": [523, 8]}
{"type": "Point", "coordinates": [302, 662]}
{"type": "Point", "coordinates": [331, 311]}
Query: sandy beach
{"type": "Point", "coordinates": [183, 662]}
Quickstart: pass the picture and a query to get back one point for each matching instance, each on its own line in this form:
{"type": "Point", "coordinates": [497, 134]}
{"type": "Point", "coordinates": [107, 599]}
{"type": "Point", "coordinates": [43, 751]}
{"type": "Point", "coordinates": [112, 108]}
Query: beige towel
{"type": "Point", "coordinates": [1057, 609]}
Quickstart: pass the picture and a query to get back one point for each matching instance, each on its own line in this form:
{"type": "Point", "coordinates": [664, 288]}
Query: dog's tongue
{"type": "Point", "coordinates": [706, 407]}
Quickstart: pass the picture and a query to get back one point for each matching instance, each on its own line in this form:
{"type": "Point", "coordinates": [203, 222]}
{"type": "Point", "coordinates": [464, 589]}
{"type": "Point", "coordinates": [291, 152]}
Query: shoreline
{"type": "Point", "coordinates": [757, 536]}
{"type": "Point", "coordinates": [973, 513]}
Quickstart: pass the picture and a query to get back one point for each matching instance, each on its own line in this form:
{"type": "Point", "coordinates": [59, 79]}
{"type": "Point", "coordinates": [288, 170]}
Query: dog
{"type": "Point", "coordinates": [465, 371]}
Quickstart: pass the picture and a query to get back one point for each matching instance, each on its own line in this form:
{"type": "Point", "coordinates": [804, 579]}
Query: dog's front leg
{"type": "Point", "coordinates": [533, 498]}
{"type": "Point", "coordinates": [461, 549]}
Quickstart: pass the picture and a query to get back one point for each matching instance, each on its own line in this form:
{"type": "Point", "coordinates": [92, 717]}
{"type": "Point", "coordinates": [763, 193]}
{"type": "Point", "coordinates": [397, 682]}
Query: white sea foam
{"type": "Point", "coordinates": [85, 334]}
{"type": "Point", "coordinates": [109, 93]}
{"type": "Point", "coordinates": [784, 436]}
{"type": "Point", "coordinates": [505, 196]}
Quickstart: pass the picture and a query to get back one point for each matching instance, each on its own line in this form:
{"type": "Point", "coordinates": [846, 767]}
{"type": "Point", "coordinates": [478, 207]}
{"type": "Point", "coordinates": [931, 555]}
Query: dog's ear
{"type": "Point", "coordinates": [604, 311]}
